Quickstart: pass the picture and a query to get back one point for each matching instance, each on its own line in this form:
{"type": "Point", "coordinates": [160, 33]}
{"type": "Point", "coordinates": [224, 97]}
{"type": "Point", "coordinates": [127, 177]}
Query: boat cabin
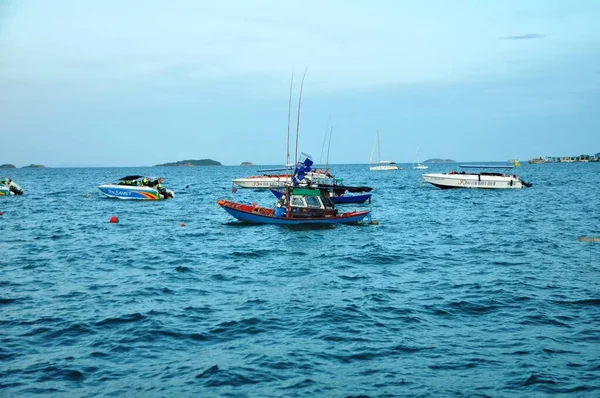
{"type": "Point", "coordinates": [304, 203]}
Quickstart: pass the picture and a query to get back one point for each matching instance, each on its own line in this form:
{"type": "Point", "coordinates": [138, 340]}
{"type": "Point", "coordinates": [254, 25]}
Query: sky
{"type": "Point", "coordinates": [138, 83]}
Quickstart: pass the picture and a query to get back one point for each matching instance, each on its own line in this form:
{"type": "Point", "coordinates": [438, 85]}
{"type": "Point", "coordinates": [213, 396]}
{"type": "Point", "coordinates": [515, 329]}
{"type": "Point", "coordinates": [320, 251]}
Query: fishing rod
{"type": "Point", "coordinates": [298, 119]}
{"type": "Point", "coordinates": [287, 160]}
{"type": "Point", "coordinates": [328, 147]}
{"type": "Point", "coordinates": [324, 138]}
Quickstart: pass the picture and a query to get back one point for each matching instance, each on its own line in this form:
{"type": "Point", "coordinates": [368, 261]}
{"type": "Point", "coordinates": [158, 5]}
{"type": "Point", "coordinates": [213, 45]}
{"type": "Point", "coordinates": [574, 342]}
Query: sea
{"type": "Point", "coordinates": [472, 293]}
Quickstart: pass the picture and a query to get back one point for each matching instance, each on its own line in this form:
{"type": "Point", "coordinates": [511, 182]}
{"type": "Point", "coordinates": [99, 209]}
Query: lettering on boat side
{"type": "Point", "coordinates": [479, 183]}
{"type": "Point", "coordinates": [119, 192]}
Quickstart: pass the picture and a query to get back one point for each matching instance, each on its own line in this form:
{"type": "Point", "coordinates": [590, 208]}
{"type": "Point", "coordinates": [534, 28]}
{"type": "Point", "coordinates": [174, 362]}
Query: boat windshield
{"type": "Point", "coordinates": [298, 201]}
{"type": "Point", "coordinates": [313, 202]}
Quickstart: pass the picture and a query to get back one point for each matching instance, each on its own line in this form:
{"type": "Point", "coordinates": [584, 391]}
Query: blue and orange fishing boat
{"type": "Point", "coordinates": [297, 206]}
{"type": "Point", "coordinates": [300, 204]}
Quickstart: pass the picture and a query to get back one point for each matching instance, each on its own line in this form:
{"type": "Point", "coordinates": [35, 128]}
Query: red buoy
{"type": "Point", "coordinates": [1, 213]}
{"type": "Point", "coordinates": [114, 219]}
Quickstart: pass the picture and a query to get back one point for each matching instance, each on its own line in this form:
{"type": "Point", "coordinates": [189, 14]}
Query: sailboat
{"type": "Point", "coordinates": [417, 165]}
{"type": "Point", "coordinates": [383, 164]}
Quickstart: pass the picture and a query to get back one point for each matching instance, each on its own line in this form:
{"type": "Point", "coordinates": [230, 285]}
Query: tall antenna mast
{"type": "Point", "coordinates": [298, 120]}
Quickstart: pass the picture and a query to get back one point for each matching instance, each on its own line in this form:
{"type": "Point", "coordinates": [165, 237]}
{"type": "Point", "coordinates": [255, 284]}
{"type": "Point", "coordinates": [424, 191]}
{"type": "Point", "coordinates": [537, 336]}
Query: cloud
{"type": "Point", "coordinates": [527, 36]}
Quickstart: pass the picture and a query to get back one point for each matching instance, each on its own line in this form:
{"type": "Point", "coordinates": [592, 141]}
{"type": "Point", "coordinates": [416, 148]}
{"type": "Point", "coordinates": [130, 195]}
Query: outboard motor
{"type": "Point", "coordinates": [166, 193]}
{"type": "Point", "coordinates": [14, 188]}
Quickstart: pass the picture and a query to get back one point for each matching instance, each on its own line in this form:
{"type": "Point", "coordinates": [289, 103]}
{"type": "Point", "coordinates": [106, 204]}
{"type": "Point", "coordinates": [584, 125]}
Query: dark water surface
{"type": "Point", "coordinates": [461, 292]}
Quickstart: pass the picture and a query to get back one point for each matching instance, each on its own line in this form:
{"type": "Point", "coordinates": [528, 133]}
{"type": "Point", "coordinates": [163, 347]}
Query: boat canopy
{"type": "Point", "coordinates": [130, 178]}
{"type": "Point", "coordinates": [306, 192]}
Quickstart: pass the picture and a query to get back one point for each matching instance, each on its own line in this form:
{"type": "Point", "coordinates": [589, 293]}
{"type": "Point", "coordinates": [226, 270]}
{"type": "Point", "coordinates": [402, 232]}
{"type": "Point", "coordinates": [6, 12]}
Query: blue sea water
{"type": "Point", "coordinates": [454, 293]}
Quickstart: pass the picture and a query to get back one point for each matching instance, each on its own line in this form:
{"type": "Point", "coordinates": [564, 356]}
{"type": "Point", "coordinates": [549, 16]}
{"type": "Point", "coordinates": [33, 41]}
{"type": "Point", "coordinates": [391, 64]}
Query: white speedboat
{"type": "Point", "coordinates": [9, 187]}
{"type": "Point", "coordinates": [267, 181]}
{"type": "Point", "coordinates": [481, 179]}
{"type": "Point", "coordinates": [137, 188]}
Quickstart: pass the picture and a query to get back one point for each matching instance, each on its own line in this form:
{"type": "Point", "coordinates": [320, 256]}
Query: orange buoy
{"type": "Point", "coordinates": [1, 213]}
{"type": "Point", "coordinates": [182, 224]}
{"type": "Point", "coordinates": [114, 219]}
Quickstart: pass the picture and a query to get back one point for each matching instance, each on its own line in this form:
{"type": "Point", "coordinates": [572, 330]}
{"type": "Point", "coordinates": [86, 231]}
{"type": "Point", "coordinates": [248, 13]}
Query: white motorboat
{"type": "Point", "coordinates": [9, 187]}
{"type": "Point", "coordinates": [481, 179]}
{"type": "Point", "coordinates": [267, 181]}
{"type": "Point", "coordinates": [382, 165]}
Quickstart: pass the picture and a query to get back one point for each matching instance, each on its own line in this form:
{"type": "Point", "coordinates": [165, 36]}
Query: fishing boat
{"type": "Point", "coordinates": [304, 209]}
{"type": "Point", "coordinates": [337, 193]}
{"type": "Point", "coordinates": [480, 179]}
{"type": "Point", "coordinates": [9, 188]}
{"type": "Point", "coordinates": [267, 181]}
{"type": "Point", "coordinates": [300, 205]}
{"type": "Point", "coordinates": [382, 165]}
{"type": "Point", "coordinates": [137, 187]}
{"type": "Point", "coordinates": [297, 206]}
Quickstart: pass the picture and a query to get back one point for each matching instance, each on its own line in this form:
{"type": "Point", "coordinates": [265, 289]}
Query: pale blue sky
{"type": "Point", "coordinates": [133, 83]}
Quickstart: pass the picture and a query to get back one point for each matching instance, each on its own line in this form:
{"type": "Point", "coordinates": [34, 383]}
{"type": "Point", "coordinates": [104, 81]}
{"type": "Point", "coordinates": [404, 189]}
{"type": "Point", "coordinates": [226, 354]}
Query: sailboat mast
{"type": "Point", "coordinates": [324, 139]}
{"type": "Point", "coordinates": [298, 120]}
{"type": "Point", "coordinates": [378, 147]}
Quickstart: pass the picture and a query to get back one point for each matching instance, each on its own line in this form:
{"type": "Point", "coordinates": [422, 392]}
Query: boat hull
{"type": "Point", "coordinates": [129, 192]}
{"type": "Point", "coordinates": [383, 167]}
{"type": "Point", "coordinates": [481, 181]}
{"type": "Point", "coordinates": [262, 215]}
{"type": "Point", "coordinates": [350, 199]}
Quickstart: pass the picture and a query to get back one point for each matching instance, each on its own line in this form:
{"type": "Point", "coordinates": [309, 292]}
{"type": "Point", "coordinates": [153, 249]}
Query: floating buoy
{"type": "Point", "coordinates": [374, 222]}
{"type": "Point", "coordinates": [87, 196]}
{"type": "Point", "coordinates": [182, 224]}
{"type": "Point", "coordinates": [114, 219]}
{"type": "Point", "coordinates": [1, 213]}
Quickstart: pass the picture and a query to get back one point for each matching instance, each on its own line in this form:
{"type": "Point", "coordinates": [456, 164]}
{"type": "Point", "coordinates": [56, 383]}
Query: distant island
{"type": "Point", "coordinates": [7, 166]}
{"type": "Point", "coordinates": [439, 161]}
{"type": "Point", "coordinates": [247, 164]}
{"type": "Point", "coordinates": [192, 163]}
{"type": "Point", "coordinates": [34, 166]}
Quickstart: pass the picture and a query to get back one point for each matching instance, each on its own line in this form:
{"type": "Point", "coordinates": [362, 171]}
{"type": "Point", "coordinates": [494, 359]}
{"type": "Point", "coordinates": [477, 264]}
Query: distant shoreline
{"type": "Point", "coordinates": [191, 163]}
